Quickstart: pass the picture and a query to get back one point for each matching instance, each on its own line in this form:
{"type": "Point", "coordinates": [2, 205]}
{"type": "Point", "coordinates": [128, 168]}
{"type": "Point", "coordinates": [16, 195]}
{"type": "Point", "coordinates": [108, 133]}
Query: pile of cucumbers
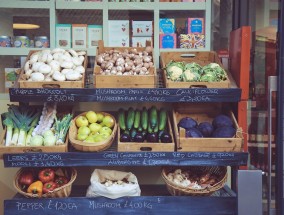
{"type": "Point", "coordinates": [148, 125]}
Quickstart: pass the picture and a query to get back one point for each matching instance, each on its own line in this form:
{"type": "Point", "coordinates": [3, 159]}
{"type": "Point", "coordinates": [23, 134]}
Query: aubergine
{"type": "Point", "coordinates": [152, 137]}
{"type": "Point", "coordinates": [125, 137]}
{"type": "Point", "coordinates": [139, 138]}
{"type": "Point", "coordinates": [166, 137]}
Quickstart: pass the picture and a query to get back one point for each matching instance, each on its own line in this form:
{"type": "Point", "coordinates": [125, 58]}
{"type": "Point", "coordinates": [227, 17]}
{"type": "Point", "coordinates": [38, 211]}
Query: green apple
{"type": "Point", "coordinates": [81, 121]}
{"type": "Point", "coordinates": [91, 116]}
{"type": "Point", "coordinates": [82, 136]}
{"type": "Point", "coordinates": [105, 135]}
{"type": "Point", "coordinates": [100, 117]}
{"type": "Point", "coordinates": [98, 138]}
{"type": "Point", "coordinates": [105, 129]}
{"type": "Point", "coordinates": [108, 121]}
{"type": "Point", "coordinates": [95, 127]}
{"type": "Point", "coordinates": [84, 130]}
{"type": "Point", "coordinates": [90, 139]}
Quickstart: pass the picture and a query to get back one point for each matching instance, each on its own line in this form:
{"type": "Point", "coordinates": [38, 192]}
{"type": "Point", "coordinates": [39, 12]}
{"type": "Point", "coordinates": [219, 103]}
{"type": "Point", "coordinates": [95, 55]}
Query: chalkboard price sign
{"type": "Point", "coordinates": [126, 95]}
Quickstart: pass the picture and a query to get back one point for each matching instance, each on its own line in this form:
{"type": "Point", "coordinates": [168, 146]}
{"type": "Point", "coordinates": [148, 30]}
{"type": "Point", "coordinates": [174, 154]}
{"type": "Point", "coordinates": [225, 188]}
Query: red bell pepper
{"type": "Point", "coordinates": [49, 186]}
{"type": "Point", "coordinates": [46, 175]}
{"type": "Point", "coordinates": [61, 180]}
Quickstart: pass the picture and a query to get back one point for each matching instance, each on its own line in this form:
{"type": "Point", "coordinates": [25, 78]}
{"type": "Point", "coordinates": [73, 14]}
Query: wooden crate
{"type": "Point", "coordinates": [25, 149]}
{"type": "Point", "coordinates": [123, 81]}
{"type": "Point", "coordinates": [201, 113]}
{"type": "Point", "coordinates": [145, 146]}
{"type": "Point", "coordinates": [23, 83]}
{"type": "Point", "coordinates": [202, 58]}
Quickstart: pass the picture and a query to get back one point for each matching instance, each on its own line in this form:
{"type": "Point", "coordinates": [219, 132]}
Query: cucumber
{"type": "Point", "coordinates": [153, 117]}
{"type": "Point", "coordinates": [121, 119]}
{"type": "Point", "coordinates": [162, 119]}
{"type": "Point", "coordinates": [130, 118]}
{"type": "Point", "coordinates": [150, 130]}
{"type": "Point", "coordinates": [144, 118]}
{"type": "Point", "coordinates": [137, 118]}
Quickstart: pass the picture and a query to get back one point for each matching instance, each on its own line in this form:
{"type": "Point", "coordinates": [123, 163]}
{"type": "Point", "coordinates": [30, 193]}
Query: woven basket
{"type": "Point", "coordinates": [176, 190]}
{"type": "Point", "coordinates": [90, 147]}
{"type": "Point", "coordinates": [63, 191]}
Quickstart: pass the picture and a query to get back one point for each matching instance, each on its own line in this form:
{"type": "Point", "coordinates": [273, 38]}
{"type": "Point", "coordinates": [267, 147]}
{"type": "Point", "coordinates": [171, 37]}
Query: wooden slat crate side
{"type": "Point", "coordinates": [145, 146]}
{"type": "Point", "coordinates": [23, 83]}
{"type": "Point", "coordinates": [206, 144]}
{"type": "Point", "coordinates": [121, 81]}
{"type": "Point", "coordinates": [202, 58]}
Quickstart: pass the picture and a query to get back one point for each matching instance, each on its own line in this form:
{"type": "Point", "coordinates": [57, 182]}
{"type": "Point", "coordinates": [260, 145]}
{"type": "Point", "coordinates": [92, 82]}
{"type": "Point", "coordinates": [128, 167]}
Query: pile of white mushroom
{"type": "Point", "coordinates": [129, 62]}
{"type": "Point", "coordinates": [109, 183]}
{"type": "Point", "coordinates": [55, 65]}
{"type": "Point", "coordinates": [186, 179]}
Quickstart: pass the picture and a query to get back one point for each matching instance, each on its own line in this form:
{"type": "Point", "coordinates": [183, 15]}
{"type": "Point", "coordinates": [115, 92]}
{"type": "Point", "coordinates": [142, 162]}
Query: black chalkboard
{"type": "Point", "coordinates": [166, 205]}
{"type": "Point", "coordinates": [125, 159]}
{"type": "Point", "coordinates": [125, 95]}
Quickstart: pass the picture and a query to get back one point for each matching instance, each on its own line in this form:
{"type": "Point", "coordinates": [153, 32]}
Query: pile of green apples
{"type": "Point", "coordinates": [94, 127]}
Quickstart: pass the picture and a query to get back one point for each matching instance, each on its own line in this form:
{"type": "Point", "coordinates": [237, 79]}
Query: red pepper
{"type": "Point", "coordinates": [61, 180]}
{"type": "Point", "coordinates": [26, 178]}
{"type": "Point", "coordinates": [46, 175]}
{"type": "Point", "coordinates": [49, 186]}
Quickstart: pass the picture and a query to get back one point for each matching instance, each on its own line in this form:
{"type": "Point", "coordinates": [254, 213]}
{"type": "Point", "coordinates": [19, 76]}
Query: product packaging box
{"type": "Point", "coordinates": [168, 41]}
{"type": "Point", "coordinates": [142, 28]}
{"type": "Point", "coordinates": [79, 36]}
{"type": "Point", "coordinates": [192, 41]}
{"type": "Point", "coordinates": [195, 26]}
{"type": "Point", "coordinates": [118, 41]}
{"type": "Point", "coordinates": [63, 35]}
{"type": "Point", "coordinates": [140, 41]}
{"type": "Point", "coordinates": [187, 0]}
{"type": "Point", "coordinates": [95, 33]}
{"type": "Point", "coordinates": [11, 75]}
{"type": "Point", "coordinates": [167, 26]}
{"type": "Point", "coordinates": [118, 28]}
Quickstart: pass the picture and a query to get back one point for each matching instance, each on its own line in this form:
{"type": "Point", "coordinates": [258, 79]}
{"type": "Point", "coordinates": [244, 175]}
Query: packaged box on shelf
{"type": "Point", "coordinates": [118, 28]}
{"type": "Point", "coordinates": [192, 41]}
{"type": "Point", "coordinates": [123, 81]}
{"type": "Point", "coordinates": [63, 36]}
{"type": "Point", "coordinates": [195, 26]}
{"type": "Point", "coordinates": [118, 41]}
{"type": "Point", "coordinates": [202, 58]}
{"type": "Point", "coordinates": [140, 41]}
{"type": "Point", "coordinates": [95, 33]}
{"type": "Point", "coordinates": [168, 41]}
{"type": "Point", "coordinates": [146, 146]}
{"type": "Point", "coordinates": [79, 36]}
{"type": "Point", "coordinates": [142, 28]}
{"type": "Point", "coordinates": [14, 149]}
{"type": "Point", "coordinates": [201, 112]}
{"type": "Point", "coordinates": [167, 26]}
{"type": "Point", "coordinates": [24, 83]}
{"type": "Point", "coordinates": [11, 75]}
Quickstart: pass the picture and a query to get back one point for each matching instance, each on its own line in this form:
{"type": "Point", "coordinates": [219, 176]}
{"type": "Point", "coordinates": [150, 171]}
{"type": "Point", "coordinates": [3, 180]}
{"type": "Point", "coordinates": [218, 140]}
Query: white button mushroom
{"type": "Point", "coordinates": [34, 57]}
{"type": "Point", "coordinates": [73, 75]}
{"type": "Point", "coordinates": [45, 69]}
{"type": "Point", "coordinates": [37, 76]}
{"type": "Point", "coordinates": [36, 66]}
{"type": "Point", "coordinates": [55, 65]}
{"type": "Point", "coordinates": [58, 76]}
{"type": "Point", "coordinates": [80, 69]}
{"type": "Point", "coordinates": [73, 52]}
{"type": "Point", "coordinates": [67, 65]}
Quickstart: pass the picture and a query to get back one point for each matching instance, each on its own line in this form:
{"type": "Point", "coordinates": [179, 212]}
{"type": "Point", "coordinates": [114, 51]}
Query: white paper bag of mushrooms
{"type": "Point", "coordinates": [113, 184]}
{"type": "Point", "coordinates": [127, 62]}
{"type": "Point", "coordinates": [55, 65]}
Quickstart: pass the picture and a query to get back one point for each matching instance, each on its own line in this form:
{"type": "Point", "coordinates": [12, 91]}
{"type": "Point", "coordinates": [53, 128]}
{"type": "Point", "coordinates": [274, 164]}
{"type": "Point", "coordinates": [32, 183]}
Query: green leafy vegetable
{"type": "Point", "coordinates": [208, 77]}
{"type": "Point", "coordinates": [8, 122]}
{"type": "Point", "coordinates": [61, 127]}
{"type": "Point", "coordinates": [194, 67]}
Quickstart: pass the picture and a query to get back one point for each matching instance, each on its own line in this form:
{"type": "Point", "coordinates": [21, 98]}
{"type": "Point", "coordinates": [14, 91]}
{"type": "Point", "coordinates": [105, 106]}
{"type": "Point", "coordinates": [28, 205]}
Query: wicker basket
{"type": "Point", "coordinates": [176, 190]}
{"type": "Point", "coordinates": [63, 191]}
{"type": "Point", "coordinates": [90, 147]}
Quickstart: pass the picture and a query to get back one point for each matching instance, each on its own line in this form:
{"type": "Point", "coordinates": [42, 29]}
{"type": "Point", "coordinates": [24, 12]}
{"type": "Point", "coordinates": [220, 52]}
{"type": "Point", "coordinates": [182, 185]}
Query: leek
{"type": "Point", "coordinates": [32, 127]}
{"type": "Point", "coordinates": [15, 136]}
{"type": "Point", "coordinates": [8, 122]}
{"type": "Point", "coordinates": [61, 127]}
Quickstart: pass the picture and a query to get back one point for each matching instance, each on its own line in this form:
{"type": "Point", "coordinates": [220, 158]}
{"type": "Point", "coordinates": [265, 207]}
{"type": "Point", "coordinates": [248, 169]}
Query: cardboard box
{"type": "Point", "coordinates": [118, 28]}
{"type": "Point", "coordinates": [11, 75]}
{"type": "Point", "coordinates": [63, 35]}
{"type": "Point", "coordinates": [168, 41]}
{"type": "Point", "coordinates": [167, 26]}
{"type": "Point", "coordinates": [195, 26]}
{"type": "Point", "coordinates": [142, 28]}
{"type": "Point", "coordinates": [140, 41]}
{"type": "Point", "coordinates": [191, 41]}
{"type": "Point", "coordinates": [119, 41]}
{"type": "Point", "coordinates": [79, 36]}
{"type": "Point", "coordinates": [95, 33]}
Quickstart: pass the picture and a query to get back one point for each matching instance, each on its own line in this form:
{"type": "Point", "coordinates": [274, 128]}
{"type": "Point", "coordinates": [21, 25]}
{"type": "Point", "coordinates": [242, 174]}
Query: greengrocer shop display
{"type": "Point", "coordinates": [54, 68]}
{"type": "Point", "coordinates": [35, 128]}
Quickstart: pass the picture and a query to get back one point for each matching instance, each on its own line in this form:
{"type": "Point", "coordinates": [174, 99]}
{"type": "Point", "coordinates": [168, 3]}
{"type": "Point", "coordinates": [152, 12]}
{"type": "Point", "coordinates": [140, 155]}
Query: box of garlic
{"type": "Point", "coordinates": [56, 68]}
{"type": "Point", "coordinates": [124, 67]}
